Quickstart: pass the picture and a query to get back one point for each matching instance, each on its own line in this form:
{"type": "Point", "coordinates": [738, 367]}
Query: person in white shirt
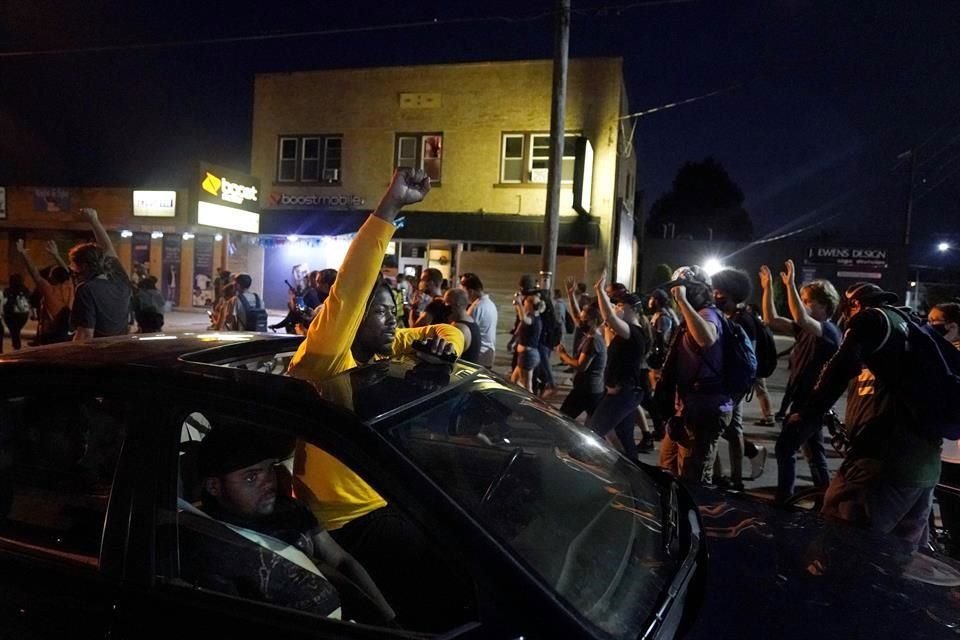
{"type": "Point", "coordinates": [484, 313]}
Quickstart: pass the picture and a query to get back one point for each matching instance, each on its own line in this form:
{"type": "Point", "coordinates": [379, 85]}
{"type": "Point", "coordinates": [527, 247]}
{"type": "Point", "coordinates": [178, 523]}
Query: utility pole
{"type": "Point", "coordinates": [551, 232]}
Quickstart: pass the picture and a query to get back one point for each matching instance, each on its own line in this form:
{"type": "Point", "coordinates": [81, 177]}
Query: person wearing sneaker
{"type": "Point", "coordinates": [731, 288]}
{"type": "Point", "coordinates": [818, 338]}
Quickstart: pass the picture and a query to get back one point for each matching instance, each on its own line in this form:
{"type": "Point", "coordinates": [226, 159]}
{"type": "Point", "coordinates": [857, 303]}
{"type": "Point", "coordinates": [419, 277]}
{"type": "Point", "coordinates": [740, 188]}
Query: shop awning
{"type": "Point", "coordinates": [577, 231]}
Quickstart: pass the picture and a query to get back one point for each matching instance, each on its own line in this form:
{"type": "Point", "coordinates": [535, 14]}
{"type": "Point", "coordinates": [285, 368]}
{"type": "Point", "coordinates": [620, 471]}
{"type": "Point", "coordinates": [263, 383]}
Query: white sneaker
{"type": "Point", "coordinates": [758, 462]}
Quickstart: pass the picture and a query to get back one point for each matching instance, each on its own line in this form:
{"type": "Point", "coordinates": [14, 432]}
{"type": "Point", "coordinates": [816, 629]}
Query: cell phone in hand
{"type": "Point", "coordinates": [424, 346]}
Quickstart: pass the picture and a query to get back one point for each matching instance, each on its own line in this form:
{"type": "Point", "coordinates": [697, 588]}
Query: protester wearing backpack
{"type": "Point", "coordinates": [695, 378]}
{"type": "Point", "coordinates": [245, 311]}
{"type": "Point", "coordinates": [886, 481]}
{"type": "Point", "coordinates": [731, 287]}
{"type": "Point", "coordinates": [817, 339]}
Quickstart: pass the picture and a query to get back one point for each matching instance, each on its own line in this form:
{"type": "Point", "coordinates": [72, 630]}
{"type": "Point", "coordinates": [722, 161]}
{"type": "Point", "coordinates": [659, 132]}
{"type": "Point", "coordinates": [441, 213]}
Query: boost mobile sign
{"type": "Point", "coordinates": [229, 191]}
{"type": "Point", "coordinates": [333, 201]}
{"type": "Point", "coordinates": [226, 199]}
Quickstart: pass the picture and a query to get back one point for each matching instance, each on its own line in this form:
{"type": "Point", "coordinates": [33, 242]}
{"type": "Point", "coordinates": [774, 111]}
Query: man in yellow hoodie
{"type": "Point", "coordinates": [358, 324]}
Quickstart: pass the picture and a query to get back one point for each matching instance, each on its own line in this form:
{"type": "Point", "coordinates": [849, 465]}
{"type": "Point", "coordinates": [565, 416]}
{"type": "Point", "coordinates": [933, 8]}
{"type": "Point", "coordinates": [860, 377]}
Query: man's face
{"type": "Point", "coordinates": [851, 309]}
{"type": "Point", "coordinates": [815, 308]}
{"type": "Point", "coordinates": [379, 326]}
{"type": "Point", "coordinates": [472, 294]}
{"type": "Point", "coordinates": [249, 492]}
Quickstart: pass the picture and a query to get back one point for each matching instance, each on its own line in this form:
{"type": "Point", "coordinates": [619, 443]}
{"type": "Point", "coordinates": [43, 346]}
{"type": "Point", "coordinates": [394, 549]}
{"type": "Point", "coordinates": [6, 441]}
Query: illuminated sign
{"type": "Point", "coordinates": [215, 215]}
{"type": "Point", "coordinates": [226, 199]}
{"type": "Point", "coordinates": [229, 191]}
{"type": "Point", "coordinates": [848, 256]}
{"type": "Point", "coordinates": [328, 201]}
{"type": "Point", "coordinates": [155, 204]}
{"type": "Point", "coordinates": [583, 176]}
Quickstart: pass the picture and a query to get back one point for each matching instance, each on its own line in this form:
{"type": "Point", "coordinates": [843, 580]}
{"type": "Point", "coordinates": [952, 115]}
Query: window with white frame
{"type": "Point", "coordinates": [310, 159]}
{"type": "Point", "coordinates": [421, 151]}
{"type": "Point", "coordinates": [525, 158]}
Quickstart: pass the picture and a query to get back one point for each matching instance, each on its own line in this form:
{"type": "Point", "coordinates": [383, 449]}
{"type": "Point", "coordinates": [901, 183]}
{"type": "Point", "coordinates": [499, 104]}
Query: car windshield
{"type": "Point", "coordinates": [587, 521]}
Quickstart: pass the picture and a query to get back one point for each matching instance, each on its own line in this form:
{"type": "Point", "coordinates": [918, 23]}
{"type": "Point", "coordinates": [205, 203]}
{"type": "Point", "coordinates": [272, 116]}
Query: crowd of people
{"type": "Point", "coordinates": [84, 295]}
{"type": "Point", "coordinates": [679, 362]}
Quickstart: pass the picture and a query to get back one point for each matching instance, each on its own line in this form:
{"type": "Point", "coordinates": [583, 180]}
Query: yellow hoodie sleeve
{"type": "Point", "coordinates": [406, 337]}
{"type": "Point", "coordinates": [326, 350]}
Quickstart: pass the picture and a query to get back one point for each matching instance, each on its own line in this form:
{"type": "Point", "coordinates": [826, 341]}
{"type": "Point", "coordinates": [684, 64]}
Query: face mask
{"type": "Point", "coordinates": [940, 328]}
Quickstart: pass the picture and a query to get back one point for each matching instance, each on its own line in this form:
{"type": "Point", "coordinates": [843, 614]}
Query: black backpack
{"type": "Point", "coordinates": [929, 380]}
{"type": "Point", "coordinates": [552, 333]}
{"type": "Point", "coordinates": [256, 316]}
{"type": "Point", "coordinates": [766, 346]}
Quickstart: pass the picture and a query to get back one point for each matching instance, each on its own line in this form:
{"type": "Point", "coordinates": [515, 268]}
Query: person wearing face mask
{"type": "Point", "coordinates": [589, 365]}
{"type": "Point", "coordinates": [945, 319]}
{"type": "Point", "coordinates": [892, 464]}
{"type": "Point", "coordinates": [818, 337]}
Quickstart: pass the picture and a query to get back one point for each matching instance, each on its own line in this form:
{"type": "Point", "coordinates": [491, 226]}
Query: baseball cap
{"type": "Point", "coordinates": [869, 293]}
{"type": "Point", "coordinates": [630, 299]}
{"type": "Point", "coordinates": [232, 447]}
{"type": "Point", "coordinates": [693, 274]}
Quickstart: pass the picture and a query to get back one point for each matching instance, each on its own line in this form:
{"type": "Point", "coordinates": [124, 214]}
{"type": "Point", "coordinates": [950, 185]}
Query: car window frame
{"type": "Point", "coordinates": [334, 442]}
{"type": "Point", "coordinates": [112, 555]}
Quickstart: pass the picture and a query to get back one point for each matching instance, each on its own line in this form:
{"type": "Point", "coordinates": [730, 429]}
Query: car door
{"type": "Point", "coordinates": [61, 465]}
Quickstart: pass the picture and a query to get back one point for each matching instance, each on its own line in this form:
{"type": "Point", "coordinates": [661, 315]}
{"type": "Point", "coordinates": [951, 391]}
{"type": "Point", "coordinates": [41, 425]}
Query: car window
{"type": "Point", "coordinates": [258, 534]}
{"type": "Point", "coordinates": [580, 515]}
{"type": "Point", "coordinates": [58, 456]}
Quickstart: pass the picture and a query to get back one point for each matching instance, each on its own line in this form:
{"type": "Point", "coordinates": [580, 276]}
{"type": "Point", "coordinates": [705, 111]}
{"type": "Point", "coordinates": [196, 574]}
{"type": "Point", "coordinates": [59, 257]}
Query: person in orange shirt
{"type": "Point", "coordinates": [358, 324]}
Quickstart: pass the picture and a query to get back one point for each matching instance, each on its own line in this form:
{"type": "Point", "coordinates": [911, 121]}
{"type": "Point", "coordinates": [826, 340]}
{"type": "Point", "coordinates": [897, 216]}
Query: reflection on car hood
{"type": "Point", "coordinates": [774, 573]}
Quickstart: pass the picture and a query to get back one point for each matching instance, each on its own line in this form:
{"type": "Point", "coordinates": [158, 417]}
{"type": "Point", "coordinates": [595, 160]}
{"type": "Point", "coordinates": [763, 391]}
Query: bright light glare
{"type": "Point", "coordinates": [943, 246]}
{"type": "Point", "coordinates": [218, 237]}
{"type": "Point", "coordinates": [156, 235]}
{"type": "Point", "coordinates": [292, 238]}
{"type": "Point", "coordinates": [187, 235]}
{"type": "Point", "coordinates": [712, 265]}
{"type": "Point", "coordinates": [126, 233]}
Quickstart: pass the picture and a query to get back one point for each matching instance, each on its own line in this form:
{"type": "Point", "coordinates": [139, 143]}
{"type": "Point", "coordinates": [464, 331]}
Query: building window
{"type": "Point", "coordinates": [532, 150]}
{"type": "Point", "coordinates": [421, 151]}
{"type": "Point", "coordinates": [309, 159]}
{"type": "Point", "coordinates": [511, 166]}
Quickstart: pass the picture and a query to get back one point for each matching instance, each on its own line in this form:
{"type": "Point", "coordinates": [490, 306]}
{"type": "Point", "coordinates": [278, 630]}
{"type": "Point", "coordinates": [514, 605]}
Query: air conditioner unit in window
{"type": "Point", "coordinates": [331, 175]}
{"type": "Point", "coordinates": [539, 175]}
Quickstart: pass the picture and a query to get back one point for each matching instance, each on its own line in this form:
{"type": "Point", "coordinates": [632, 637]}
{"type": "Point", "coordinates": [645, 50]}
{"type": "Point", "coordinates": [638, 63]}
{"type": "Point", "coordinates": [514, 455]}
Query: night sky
{"type": "Point", "coordinates": [829, 93]}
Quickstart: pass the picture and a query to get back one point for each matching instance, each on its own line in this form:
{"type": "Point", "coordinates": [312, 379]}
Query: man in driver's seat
{"type": "Point", "coordinates": [238, 469]}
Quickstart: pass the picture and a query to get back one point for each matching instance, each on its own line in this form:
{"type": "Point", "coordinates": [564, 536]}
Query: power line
{"type": "Point", "coordinates": [679, 103]}
{"type": "Point", "coordinates": [397, 26]}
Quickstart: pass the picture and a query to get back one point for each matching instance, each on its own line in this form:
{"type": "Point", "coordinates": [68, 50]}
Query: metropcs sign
{"type": "Point", "coordinates": [228, 191]}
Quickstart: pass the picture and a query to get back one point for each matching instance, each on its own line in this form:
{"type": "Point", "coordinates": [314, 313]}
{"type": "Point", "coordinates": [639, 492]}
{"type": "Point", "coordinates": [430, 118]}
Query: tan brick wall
{"type": "Point", "coordinates": [478, 102]}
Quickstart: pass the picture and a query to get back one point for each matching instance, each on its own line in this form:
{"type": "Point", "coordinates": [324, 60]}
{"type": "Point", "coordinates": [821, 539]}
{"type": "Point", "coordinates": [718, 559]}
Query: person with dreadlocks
{"type": "Point", "coordinates": [356, 325]}
{"type": "Point", "coordinates": [101, 304]}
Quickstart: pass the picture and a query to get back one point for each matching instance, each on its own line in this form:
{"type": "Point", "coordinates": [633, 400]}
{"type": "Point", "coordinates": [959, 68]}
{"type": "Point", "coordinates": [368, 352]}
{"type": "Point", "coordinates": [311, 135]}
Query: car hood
{"type": "Point", "coordinates": [777, 573]}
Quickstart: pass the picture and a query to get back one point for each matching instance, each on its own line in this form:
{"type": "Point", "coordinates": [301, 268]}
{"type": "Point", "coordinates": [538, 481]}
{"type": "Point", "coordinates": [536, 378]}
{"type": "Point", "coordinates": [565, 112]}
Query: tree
{"type": "Point", "coordinates": [704, 203]}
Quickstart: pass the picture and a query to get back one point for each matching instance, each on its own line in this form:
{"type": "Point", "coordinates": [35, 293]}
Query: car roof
{"type": "Point", "coordinates": [371, 392]}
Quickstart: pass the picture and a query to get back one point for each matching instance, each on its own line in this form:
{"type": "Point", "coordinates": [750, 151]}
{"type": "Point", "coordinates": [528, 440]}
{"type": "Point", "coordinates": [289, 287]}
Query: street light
{"type": "Point", "coordinates": [712, 265]}
{"type": "Point", "coordinates": [943, 247]}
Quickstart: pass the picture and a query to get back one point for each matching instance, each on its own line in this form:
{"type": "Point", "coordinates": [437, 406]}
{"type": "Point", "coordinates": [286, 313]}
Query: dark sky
{"type": "Point", "coordinates": [830, 92]}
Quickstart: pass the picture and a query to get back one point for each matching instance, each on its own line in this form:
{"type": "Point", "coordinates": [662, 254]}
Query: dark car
{"type": "Point", "coordinates": [539, 528]}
